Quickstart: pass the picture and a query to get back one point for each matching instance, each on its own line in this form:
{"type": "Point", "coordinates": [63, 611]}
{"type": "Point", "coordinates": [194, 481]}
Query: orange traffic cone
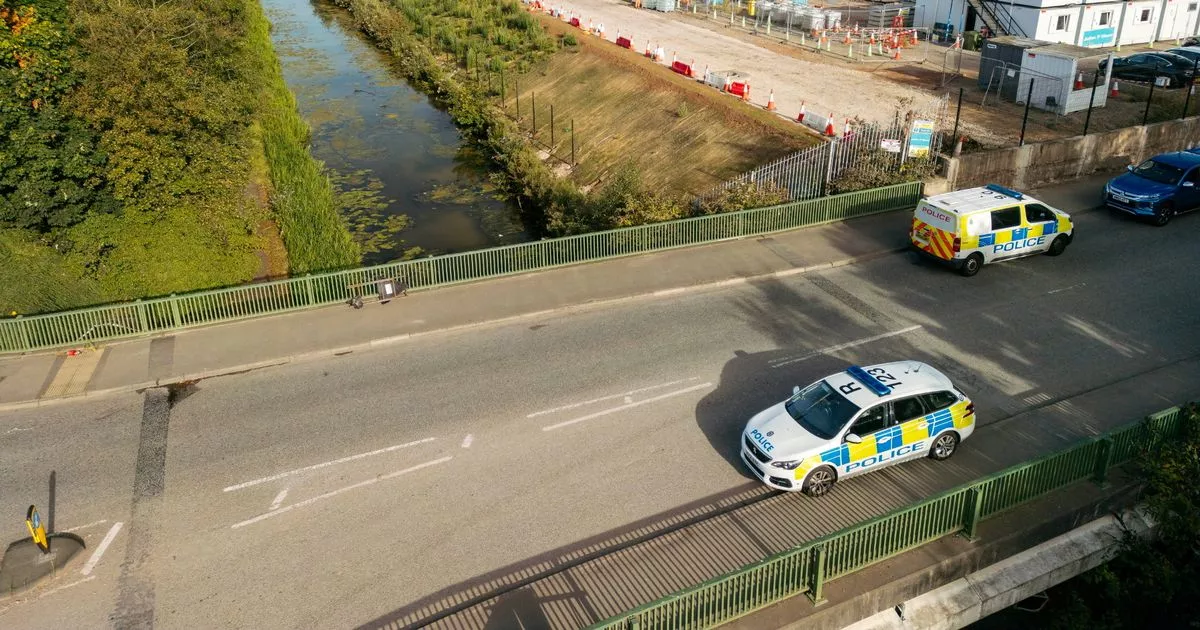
{"type": "Point", "coordinates": [829, 126]}
{"type": "Point", "coordinates": [692, 64]}
{"type": "Point", "coordinates": [1079, 81]}
{"type": "Point", "coordinates": [800, 117]}
{"type": "Point", "coordinates": [895, 54]}
{"type": "Point", "coordinates": [771, 101]}
{"type": "Point", "coordinates": [674, 57]}
{"type": "Point", "coordinates": [746, 94]}
{"type": "Point", "coordinates": [1115, 91]}
{"type": "Point", "coordinates": [846, 39]}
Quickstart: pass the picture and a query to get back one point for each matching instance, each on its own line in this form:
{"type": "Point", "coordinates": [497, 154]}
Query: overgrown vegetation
{"type": "Point", "coordinates": [1152, 583]}
{"type": "Point", "coordinates": [132, 141]}
{"type": "Point", "coordinates": [460, 54]}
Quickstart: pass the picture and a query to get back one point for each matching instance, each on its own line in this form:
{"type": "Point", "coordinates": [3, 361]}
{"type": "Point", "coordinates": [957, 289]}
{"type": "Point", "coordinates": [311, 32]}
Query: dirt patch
{"type": "Point", "coordinates": [682, 135]}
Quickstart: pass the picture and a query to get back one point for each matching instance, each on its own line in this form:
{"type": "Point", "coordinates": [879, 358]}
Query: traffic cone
{"type": "Point", "coordinates": [800, 117]}
{"type": "Point", "coordinates": [771, 101]}
{"type": "Point", "coordinates": [746, 94]}
{"type": "Point", "coordinates": [1115, 91]}
{"type": "Point", "coordinates": [846, 39]}
{"type": "Point", "coordinates": [674, 57]}
{"type": "Point", "coordinates": [829, 126]}
{"type": "Point", "coordinates": [1079, 81]}
{"type": "Point", "coordinates": [895, 54]}
{"type": "Point", "coordinates": [649, 54]}
{"type": "Point", "coordinates": [692, 64]}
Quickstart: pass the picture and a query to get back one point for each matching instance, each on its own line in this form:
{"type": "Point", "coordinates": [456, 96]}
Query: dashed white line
{"type": "Point", "coordinates": [108, 538]}
{"type": "Point", "coordinates": [843, 346]}
{"type": "Point", "coordinates": [361, 484]}
{"type": "Point", "coordinates": [1073, 286]}
{"type": "Point", "coordinates": [278, 499]}
{"type": "Point", "coordinates": [625, 395]}
{"type": "Point", "coordinates": [92, 524]}
{"type": "Point", "coordinates": [343, 460]}
{"type": "Point", "coordinates": [627, 406]}
{"type": "Point", "coordinates": [466, 443]}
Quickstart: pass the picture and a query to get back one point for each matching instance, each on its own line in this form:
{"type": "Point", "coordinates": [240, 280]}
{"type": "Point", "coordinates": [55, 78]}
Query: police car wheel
{"type": "Point", "coordinates": [819, 482]}
{"type": "Point", "coordinates": [971, 265]}
{"type": "Point", "coordinates": [1058, 246]}
{"type": "Point", "coordinates": [944, 446]}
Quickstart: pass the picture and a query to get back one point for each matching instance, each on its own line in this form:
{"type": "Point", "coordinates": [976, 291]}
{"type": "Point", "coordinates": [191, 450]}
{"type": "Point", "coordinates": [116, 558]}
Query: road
{"type": "Point", "coordinates": [332, 494]}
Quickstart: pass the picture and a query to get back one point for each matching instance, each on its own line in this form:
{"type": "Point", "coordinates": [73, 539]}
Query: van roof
{"type": "Point", "coordinates": [976, 199]}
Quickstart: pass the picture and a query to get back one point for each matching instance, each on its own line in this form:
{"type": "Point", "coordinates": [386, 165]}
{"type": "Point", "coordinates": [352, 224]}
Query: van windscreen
{"type": "Point", "coordinates": [937, 217]}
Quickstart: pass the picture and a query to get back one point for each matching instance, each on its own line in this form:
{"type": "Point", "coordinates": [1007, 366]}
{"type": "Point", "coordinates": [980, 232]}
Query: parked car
{"type": "Point", "coordinates": [1147, 67]}
{"type": "Point", "coordinates": [1159, 188]}
{"type": "Point", "coordinates": [1192, 53]}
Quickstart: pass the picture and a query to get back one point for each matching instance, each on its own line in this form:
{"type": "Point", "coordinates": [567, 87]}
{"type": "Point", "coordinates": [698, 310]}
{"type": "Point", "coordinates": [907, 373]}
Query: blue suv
{"type": "Point", "coordinates": [1159, 188]}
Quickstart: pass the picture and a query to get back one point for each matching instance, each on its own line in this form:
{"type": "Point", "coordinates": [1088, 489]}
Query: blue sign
{"type": "Point", "coordinates": [920, 140]}
{"type": "Point", "coordinates": [1098, 37]}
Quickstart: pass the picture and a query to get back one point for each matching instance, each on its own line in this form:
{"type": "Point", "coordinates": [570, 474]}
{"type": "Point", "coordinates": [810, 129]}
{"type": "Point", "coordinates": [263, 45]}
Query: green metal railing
{"type": "Point", "coordinates": [806, 568]}
{"type": "Point", "coordinates": [143, 317]}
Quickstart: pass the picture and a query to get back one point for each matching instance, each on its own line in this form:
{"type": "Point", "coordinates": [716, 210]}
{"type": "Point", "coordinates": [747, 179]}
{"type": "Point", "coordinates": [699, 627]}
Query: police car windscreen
{"type": "Point", "coordinates": [936, 217]}
{"type": "Point", "coordinates": [821, 410]}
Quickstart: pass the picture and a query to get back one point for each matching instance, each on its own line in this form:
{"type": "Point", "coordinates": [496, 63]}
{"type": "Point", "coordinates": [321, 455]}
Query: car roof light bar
{"type": "Point", "coordinates": [1004, 191]}
{"type": "Point", "coordinates": [872, 383]}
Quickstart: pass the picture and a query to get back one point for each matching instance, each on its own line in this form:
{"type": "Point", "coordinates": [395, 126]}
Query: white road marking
{"type": "Point", "coordinates": [361, 484]}
{"type": "Point", "coordinates": [627, 406]}
{"type": "Point", "coordinates": [1073, 286]}
{"type": "Point", "coordinates": [343, 460]}
{"type": "Point", "coordinates": [843, 346]}
{"type": "Point", "coordinates": [467, 441]}
{"type": "Point", "coordinates": [17, 430]}
{"type": "Point", "coordinates": [278, 499]}
{"type": "Point", "coordinates": [92, 524]}
{"type": "Point", "coordinates": [604, 398]}
{"type": "Point", "coordinates": [108, 538]}
{"type": "Point", "coordinates": [51, 591]}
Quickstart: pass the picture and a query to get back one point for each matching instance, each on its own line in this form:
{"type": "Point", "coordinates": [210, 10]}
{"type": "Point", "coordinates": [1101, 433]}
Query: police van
{"type": "Point", "coordinates": [973, 227]}
{"type": "Point", "coordinates": [856, 421]}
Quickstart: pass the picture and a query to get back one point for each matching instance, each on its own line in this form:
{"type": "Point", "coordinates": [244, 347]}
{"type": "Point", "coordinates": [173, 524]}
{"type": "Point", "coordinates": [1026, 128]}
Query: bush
{"type": "Point", "coordinates": [879, 169]}
{"type": "Point", "coordinates": [569, 40]}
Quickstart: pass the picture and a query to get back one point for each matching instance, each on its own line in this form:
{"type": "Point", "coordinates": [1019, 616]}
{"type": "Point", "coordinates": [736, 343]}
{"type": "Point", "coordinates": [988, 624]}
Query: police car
{"type": "Point", "coordinates": [856, 421]}
{"type": "Point", "coordinates": [973, 227]}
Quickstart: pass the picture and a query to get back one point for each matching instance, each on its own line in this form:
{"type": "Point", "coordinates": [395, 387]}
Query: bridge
{"type": "Point", "coordinates": [559, 448]}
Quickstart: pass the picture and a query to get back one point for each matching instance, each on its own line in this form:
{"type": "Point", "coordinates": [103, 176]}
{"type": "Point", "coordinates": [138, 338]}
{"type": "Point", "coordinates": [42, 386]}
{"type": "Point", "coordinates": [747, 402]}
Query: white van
{"type": "Point", "coordinates": [977, 226]}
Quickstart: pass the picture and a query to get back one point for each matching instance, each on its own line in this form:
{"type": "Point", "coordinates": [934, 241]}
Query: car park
{"type": "Point", "coordinates": [856, 421]}
{"type": "Point", "coordinates": [1159, 188]}
{"type": "Point", "coordinates": [976, 226]}
{"type": "Point", "coordinates": [1174, 70]}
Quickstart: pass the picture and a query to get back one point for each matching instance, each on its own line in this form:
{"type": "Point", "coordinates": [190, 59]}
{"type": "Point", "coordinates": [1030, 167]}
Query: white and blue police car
{"type": "Point", "coordinates": [856, 421]}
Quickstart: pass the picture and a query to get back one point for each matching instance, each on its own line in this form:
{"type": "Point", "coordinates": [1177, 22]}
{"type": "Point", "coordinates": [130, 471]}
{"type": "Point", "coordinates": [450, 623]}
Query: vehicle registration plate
{"type": "Point", "coordinates": [1121, 198]}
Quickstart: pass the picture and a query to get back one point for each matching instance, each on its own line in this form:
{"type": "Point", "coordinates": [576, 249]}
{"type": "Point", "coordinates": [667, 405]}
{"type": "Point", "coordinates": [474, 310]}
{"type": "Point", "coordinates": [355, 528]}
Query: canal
{"type": "Point", "coordinates": [391, 153]}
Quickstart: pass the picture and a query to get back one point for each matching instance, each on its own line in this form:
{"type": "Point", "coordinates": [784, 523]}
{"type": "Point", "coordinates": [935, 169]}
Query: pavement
{"type": "Point", "coordinates": [564, 465]}
{"type": "Point", "coordinates": [133, 365]}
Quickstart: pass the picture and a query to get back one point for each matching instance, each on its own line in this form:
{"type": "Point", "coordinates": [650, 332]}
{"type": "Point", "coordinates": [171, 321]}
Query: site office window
{"type": "Point", "coordinates": [1062, 22]}
{"type": "Point", "coordinates": [1144, 15]}
{"type": "Point", "coordinates": [1105, 18]}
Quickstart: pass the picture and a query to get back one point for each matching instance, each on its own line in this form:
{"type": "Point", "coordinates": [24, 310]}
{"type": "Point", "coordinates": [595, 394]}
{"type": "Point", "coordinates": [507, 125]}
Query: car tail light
{"type": "Point", "coordinates": [957, 243]}
{"type": "Point", "coordinates": [970, 410]}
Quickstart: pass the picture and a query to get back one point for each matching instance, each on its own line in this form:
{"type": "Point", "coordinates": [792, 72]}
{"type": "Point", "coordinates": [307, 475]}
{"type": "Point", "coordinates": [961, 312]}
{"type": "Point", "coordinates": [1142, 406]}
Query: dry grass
{"type": "Point", "coordinates": [682, 135]}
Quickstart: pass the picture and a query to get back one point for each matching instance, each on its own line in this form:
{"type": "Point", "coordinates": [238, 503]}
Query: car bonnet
{"type": "Point", "coordinates": [776, 433]}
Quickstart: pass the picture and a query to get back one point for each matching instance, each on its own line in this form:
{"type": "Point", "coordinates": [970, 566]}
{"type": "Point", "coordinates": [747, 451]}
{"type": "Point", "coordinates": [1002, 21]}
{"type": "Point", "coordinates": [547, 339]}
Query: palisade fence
{"type": "Point", "coordinates": [143, 317]}
{"type": "Point", "coordinates": [806, 174]}
{"type": "Point", "coordinates": [805, 569]}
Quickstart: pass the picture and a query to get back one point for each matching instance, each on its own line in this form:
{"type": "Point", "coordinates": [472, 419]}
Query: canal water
{"type": "Point", "coordinates": [391, 152]}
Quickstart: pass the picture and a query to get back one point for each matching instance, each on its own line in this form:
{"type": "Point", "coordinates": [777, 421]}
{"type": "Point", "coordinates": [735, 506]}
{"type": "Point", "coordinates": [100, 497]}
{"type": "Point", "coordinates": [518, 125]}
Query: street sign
{"type": "Point", "coordinates": [920, 141]}
{"type": "Point", "coordinates": [33, 521]}
{"type": "Point", "coordinates": [890, 145]}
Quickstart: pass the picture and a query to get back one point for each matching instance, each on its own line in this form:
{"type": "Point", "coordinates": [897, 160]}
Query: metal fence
{"type": "Point", "coordinates": [208, 307]}
{"type": "Point", "coordinates": [807, 174]}
{"type": "Point", "coordinates": [805, 569]}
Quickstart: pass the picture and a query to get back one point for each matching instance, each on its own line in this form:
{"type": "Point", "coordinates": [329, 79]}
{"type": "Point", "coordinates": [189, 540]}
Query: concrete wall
{"type": "Point", "coordinates": [1044, 163]}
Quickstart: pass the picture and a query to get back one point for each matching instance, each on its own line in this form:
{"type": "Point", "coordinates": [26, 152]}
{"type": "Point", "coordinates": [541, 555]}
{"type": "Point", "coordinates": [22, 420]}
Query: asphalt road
{"type": "Point", "coordinates": [333, 494]}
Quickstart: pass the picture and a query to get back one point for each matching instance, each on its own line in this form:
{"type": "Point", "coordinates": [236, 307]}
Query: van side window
{"type": "Point", "coordinates": [1037, 213]}
{"type": "Point", "coordinates": [1006, 218]}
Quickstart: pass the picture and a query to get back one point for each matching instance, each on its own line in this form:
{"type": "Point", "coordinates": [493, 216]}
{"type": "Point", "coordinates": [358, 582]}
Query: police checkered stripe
{"type": "Point", "coordinates": [940, 242]}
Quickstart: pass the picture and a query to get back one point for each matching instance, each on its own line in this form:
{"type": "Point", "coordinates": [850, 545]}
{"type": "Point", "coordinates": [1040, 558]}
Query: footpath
{"type": "Point", "coordinates": [131, 365]}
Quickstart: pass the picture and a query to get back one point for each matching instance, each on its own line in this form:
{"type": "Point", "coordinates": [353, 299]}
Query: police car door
{"type": "Point", "coordinates": [1007, 239]}
{"type": "Point", "coordinates": [864, 455]}
{"type": "Point", "coordinates": [1043, 224]}
{"type": "Point", "coordinates": [912, 426]}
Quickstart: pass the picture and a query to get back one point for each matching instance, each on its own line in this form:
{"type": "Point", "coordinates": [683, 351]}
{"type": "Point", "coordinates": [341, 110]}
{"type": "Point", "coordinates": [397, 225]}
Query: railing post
{"type": "Point", "coordinates": [23, 326]}
{"type": "Point", "coordinates": [974, 507]}
{"type": "Point", "coordinates": [1103, 462]}
{"type": "Point", "coordinates": [178, 321]}
{"type": "Point", "coordinates": [143, 324]}
{"type": "Point", "coordinates": [308, 289]}
{"type": "Point", "coordinates": [817, 593]}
